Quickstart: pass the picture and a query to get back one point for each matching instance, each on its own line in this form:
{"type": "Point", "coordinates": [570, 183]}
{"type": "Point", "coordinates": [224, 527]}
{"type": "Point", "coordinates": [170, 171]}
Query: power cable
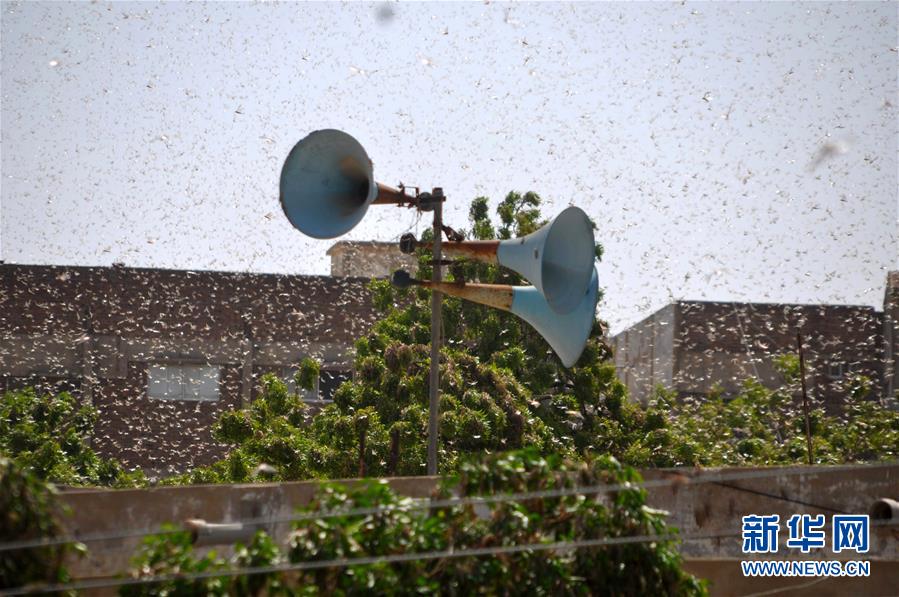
{"type": "Point", "coordinates": [424, 503]}
{"type": "Point", "coordinates": [790, 588]}
{"type": "Point", "coordinates": [363, 561]}
{"type": "Point", "coordinates": [781, 498]}
{"type": "Point", "coordinates": [389, 559]}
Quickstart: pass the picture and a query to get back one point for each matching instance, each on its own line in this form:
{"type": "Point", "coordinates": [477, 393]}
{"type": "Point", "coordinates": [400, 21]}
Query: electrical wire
{"type": "Point", "coordinates": [369, 560]}
{"type": "Point", "coordinates": [414, 224]}
{"type": "Point", "coordinates": [780, 498]}
{"type": "Point", "coordinates": [680, 479]}
{"type": "Point", "coordinates": [363, 561]}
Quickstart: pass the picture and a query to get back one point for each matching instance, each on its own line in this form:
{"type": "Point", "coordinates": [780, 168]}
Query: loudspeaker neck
{"type": "Point", "coordinates": [498, 296]}
{"type": "Point", "coordinates": [479, 250]}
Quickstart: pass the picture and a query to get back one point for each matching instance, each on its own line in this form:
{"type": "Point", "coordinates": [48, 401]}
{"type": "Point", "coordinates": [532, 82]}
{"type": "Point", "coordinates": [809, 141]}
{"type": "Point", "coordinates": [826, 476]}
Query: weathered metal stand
{"type": "Point", "coordinates": [432, 201]}
{"type": "Point", "coordinates": [436, 307]}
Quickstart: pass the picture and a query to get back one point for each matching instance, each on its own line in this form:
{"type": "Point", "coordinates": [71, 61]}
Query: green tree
{"type": "Point", "coordinates": [764, 426]}
{"type": "Point", "coordinates": [28, 511]}
{"type": "Point", "coordinates": [48, 436]}
{"type": "Point", "coordinates": [173, 554]}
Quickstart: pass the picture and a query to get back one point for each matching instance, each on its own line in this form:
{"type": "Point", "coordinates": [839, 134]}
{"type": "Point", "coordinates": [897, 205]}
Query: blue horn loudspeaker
{"type": "Point", "coordinates": [557, 259]}
{"type": "Point", "coordinates": [566, 334]}
{"type": "Point", "coordinates": [327, 184]}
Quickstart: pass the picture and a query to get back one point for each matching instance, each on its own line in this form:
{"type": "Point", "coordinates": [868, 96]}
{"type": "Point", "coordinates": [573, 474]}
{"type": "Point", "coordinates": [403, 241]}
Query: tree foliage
{"type": "Point", "coordinates": [645, 567]}
{"type": "Point", "coordinates": [28, 511]}
{"type": "Point", "coordinates": [48, 436]}
{"type": "Point", "coordinates": [172, 553]}
{"type": "Point", "coordinates": [761, 426]}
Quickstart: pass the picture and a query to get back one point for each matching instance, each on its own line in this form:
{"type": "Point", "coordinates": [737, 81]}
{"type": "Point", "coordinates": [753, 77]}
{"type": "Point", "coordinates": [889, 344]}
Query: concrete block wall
{"type": "Point", "coordinates": [369, 259]}
{"type": "Point", "coordinates": [725, 343]}
{"type": "Point", "coordinates": [694, 506]}
{"type": "Point", "coordinates": [644, 353]}
{"type": "Point", "coordinates": [694, 347]}
{"type": "Point", "coordinates": [95, 331]}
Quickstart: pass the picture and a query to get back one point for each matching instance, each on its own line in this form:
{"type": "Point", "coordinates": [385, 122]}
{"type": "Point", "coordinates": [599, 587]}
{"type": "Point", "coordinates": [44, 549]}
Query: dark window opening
{"type": "Point", "coordinates": [330, 380]}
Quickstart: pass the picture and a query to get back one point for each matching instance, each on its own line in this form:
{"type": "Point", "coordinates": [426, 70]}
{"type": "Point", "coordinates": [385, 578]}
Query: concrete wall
{"type": "Point", "coordinates": [725, 343]}
{"type": "Point", "coordinates": [717, 508]}
{"type": "Point", "coordinates": [644, 353]}
{"type": "Point", "coordinates": [369, 259]}
{"type": "Point", "coordinates": [712, 508]}
{"type": "Point", "coordinates": [95, 331]}
{"type": "Point", "coordinates": [104, 512]}
{"type": "Point", "coordinates": [725, 578]}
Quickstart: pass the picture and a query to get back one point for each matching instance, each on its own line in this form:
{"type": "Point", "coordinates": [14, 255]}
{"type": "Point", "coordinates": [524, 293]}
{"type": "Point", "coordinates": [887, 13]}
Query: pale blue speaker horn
{"type": "Point", "coordinates": [327, 184]}
{"type": "Point", "coordinates": [566, 334]}
{"type": "Point", "coordinates": [557, 259]}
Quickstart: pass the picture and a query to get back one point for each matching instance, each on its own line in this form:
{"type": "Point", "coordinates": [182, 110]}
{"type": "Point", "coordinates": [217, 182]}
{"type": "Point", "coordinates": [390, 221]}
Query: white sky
{"type": "Point", "coordinates": [153, 134]}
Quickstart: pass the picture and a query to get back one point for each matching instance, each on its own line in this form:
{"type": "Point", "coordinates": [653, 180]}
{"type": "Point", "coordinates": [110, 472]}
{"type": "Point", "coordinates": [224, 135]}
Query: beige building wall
{"type": "Point", "coordinates": [644, 354]}
{"type": "Point", "coordinates": [694, 347]}
{"type": "Point", "coordinates": [99, 332]}
{"type": "Point", "coordinates": [368, 259]}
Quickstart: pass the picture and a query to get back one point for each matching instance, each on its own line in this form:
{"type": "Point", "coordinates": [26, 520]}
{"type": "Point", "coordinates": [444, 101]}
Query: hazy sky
{"type": "Point", "coordinates": [726, 151]}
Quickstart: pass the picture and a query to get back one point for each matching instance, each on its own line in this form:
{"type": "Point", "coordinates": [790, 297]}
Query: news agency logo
{"type": "Point", "coordinates": [806, 533]}
{"type": "Point", "coordinates": [760, 533]}
{"type": "Point", "coordinates": [848, 532]}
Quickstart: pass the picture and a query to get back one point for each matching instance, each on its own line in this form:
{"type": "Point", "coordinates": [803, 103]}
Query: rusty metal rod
{"type": "Point", "coordinates": [498, 296]}
{"type": "Point", "coordinates": [480, 250]}
{"type": "Point", "coordinates": [436, 306]}
{"type": "Point", "coordinates": [389, 195]}
{"type": "Point", "coordinates": [204, 533]}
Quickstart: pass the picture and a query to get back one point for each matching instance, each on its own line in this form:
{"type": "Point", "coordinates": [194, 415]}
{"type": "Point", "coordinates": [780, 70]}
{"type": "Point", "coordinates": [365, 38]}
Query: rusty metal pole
{"type": "Point", "coordinates": [808, 428]}
{"type": "Point", "coordinates": [393, 461]}
{"type": "Point", "coordinates": [436, 304]}
{"type": "Point", "coordinates": [362, 434]}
